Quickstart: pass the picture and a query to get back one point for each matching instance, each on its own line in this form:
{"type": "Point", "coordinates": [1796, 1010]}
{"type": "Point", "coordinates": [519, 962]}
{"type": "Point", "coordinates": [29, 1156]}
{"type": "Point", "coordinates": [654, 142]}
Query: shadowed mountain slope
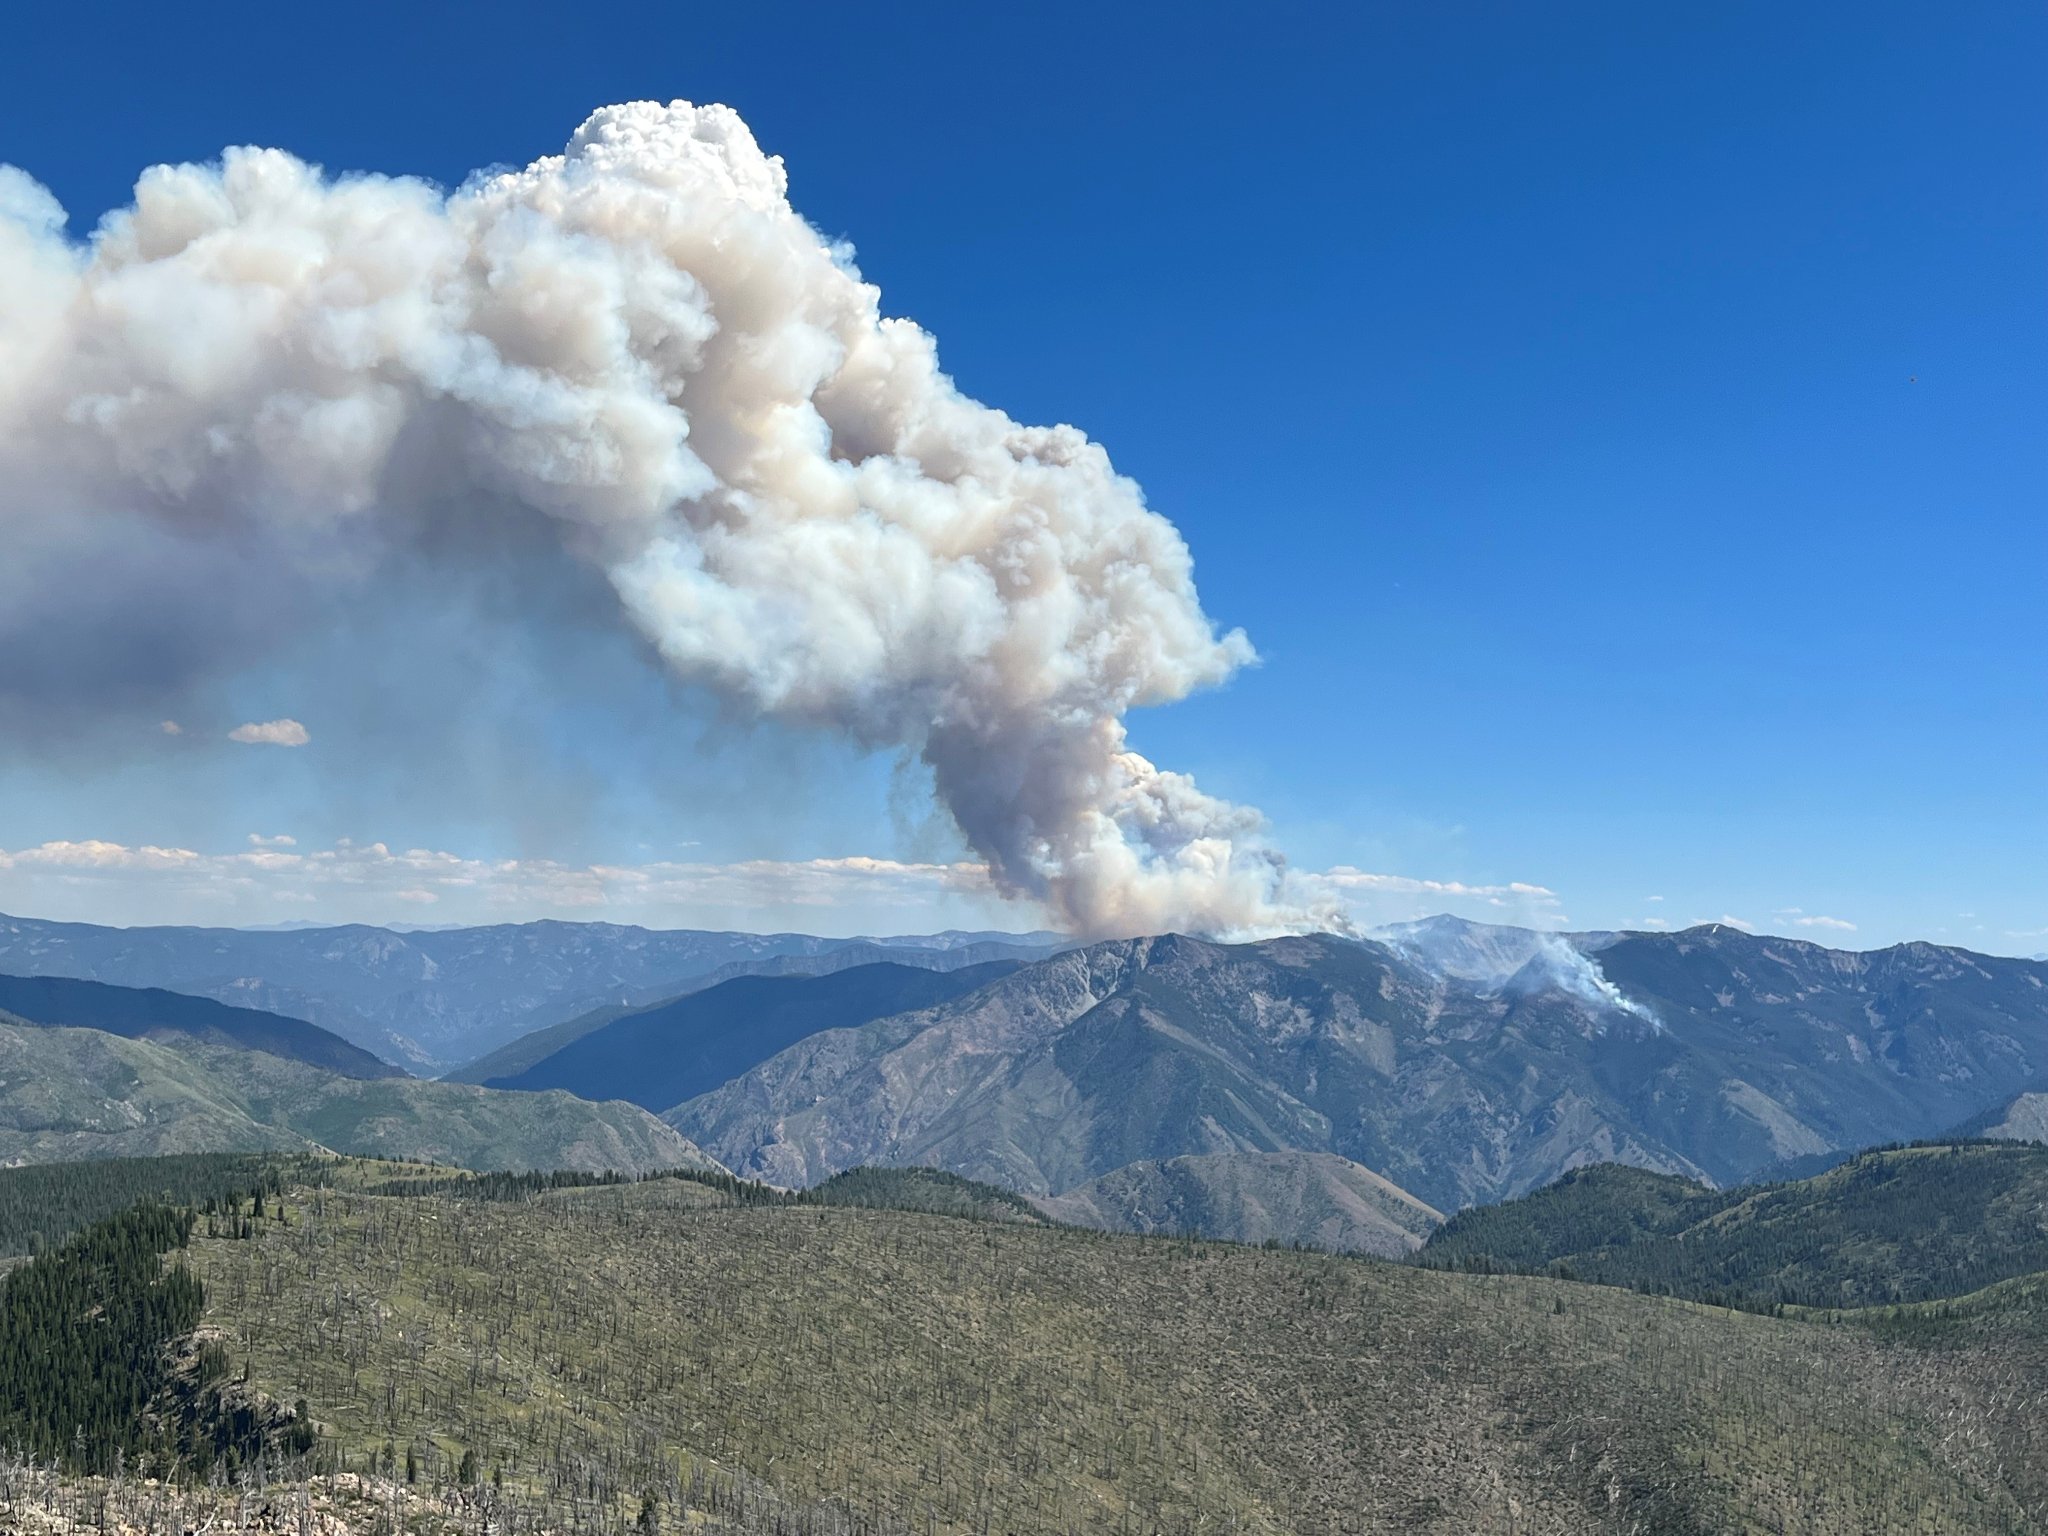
{"type": "Point", "coordinates": [149, 1013]}
{"type": "Point", "coordinates": [658, 1057]}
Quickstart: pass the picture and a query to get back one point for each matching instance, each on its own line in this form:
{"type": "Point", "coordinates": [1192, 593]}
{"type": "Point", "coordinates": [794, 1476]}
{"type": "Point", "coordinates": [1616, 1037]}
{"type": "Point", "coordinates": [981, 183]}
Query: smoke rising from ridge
{"type": "Point", "coordinates": [262, 382]}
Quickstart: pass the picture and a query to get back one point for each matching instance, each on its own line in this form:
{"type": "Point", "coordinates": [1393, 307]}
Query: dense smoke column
{"type": "Point", "coordinates": [259, 370]}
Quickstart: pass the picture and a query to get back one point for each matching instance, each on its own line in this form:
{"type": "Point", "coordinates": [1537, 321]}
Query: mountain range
{"type": "Point", "coordinates": [1321, 1089]}
{"type": "Point", "coordinates": [433, 999]}
{"type": "Point", "coordinates": [1710, 1054]}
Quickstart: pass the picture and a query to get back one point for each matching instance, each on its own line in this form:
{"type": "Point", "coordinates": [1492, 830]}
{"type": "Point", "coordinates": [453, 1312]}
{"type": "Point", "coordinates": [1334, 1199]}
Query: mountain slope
{"type": "Point", "coordinates": [1315, 1199]}
{"type": "Point", "coordinates": [428, 999]}
{"type": "Point", "coordinates": [2023, 1117]}
{"type": "Point", "coordinates": [81, 1093]}
{"type": "Point", "coordinates": [1897, 1225]}
{"type": "Point", "coordinates": [151, 1013]}
{"type": "Point", "coordinates": [660, 1056]}
{"type": "Point", "coordinates": [509, 1062]}
{"type": "Point", "coordinates": [1706, 1054]}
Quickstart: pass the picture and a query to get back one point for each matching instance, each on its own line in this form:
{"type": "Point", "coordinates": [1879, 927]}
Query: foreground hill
{"type": "Point", "coordinates": [593, 1353]}
{"type": "Point", "coordinates": [81, 1093]}
{"type": "Point", "coordinates": [430, 999]}
{"type": "Point", "coordinates": [658, 1057]}
{"type": "Point", "coordinates": [1904, 1224]}
{"type": "Point", "coordinates": [1311, 1198]}
{"type": "Point", "coordinates": [1708, 1054]}
{"type": "Point", "coordinates": [149, 1013]}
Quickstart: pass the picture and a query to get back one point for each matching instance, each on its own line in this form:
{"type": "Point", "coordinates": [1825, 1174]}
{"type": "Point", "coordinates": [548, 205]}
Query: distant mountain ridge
{"type": "Point", "coordinates": [426, 999]}
{"type": "Point", "coordinates": [152, 1013]}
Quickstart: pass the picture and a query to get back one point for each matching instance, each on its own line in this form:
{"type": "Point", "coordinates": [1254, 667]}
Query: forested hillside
{"type": "Point", "coordinates": [1906, 1224]}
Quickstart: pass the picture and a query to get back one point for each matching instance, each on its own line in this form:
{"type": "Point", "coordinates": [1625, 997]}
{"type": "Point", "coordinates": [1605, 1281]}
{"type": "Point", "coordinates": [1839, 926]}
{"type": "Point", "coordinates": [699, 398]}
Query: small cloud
{"type": "Point", "coordinates": [417, 897]}
{"type": "Point", "coordinates": [271, 733]}
{"type": "Point", "coordinates": [1834, 924]}
{"type": "Point", "coordinates": [1725, 921]}
{"type": "Point", "coordinates": [1653, 924]}
{"type": "Point", "coordinates": [1653, 898]}
{"type": "Point", "coordinates": [171, 728]}
{"type": "Point", "coordinates": [258, 840]}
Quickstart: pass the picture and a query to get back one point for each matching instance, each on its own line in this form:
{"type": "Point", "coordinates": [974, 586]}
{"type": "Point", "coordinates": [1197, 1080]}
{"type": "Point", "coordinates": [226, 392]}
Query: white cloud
{"type": "Point", "coordinates": [171, 728]}
{"type": "Point", "coordinates": [271, 733]}
{"type": "Point", "coordinates": [1345, 878]}
{"type": "Point", "coordinates": [1833, 924]}
{"type": "Point", "coordinates": [1653, 898]}
{"type": "Point", "coordinates": [96, 880]}
{"type": "Point", "coordinates": [1652, 924]}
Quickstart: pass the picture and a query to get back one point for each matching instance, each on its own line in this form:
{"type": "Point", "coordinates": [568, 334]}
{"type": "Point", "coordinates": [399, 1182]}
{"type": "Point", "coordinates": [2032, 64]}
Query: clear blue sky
{"type": "Point", "coordinates": [1620, 427]}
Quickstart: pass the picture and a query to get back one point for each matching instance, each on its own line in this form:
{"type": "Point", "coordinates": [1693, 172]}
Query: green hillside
{"type": "Point", "coordinates": [789, 1367]}
{"type": "Point", "coordinates": [1903, 1224]}
{"type": "Point", "coordinates": [81, 1093]}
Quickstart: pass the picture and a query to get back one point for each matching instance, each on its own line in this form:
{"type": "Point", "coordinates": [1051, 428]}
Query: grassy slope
{"type": "Point", "coordinates": [76, 1093]}
{"type": "Point", "coordinates": [988, 1376]}
{"type": "Point", "coordinates": [1899, 1225]}
{"type": "Point", "coordinates": [453, 1122]}
{"type": "Point", "coordinates": [1317, 1199]}
{"type": "Point", "coordinates": [81, 1093]}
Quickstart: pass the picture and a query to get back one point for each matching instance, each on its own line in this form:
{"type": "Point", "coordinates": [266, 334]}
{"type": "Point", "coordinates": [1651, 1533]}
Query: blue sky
{"type": "Point", "coordinates": [1619, 428]}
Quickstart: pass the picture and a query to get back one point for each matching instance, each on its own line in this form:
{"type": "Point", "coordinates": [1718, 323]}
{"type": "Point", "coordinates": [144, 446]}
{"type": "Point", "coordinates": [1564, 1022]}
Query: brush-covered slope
{"type": "Point", "coordinates": [81, 1093]}
{"type": "Point", "coordinates": [150, 1013]}
{"type": "Point", "coordinates": [1732, 1053]}
{"type": "Point", "coordinates": [613, 1349]}
{"type": "Point", "coordinates": [1903, 1224]}
{"type": "Point", "coordinates": [1312, 1198]}
{"type": "Point", "coordinates": [660, 1056]}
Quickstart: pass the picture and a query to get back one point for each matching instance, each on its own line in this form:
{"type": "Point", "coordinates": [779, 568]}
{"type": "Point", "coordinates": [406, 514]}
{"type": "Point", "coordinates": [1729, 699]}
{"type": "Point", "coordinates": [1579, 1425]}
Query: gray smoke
{"type": "Point", "coordinates": [258, 386]}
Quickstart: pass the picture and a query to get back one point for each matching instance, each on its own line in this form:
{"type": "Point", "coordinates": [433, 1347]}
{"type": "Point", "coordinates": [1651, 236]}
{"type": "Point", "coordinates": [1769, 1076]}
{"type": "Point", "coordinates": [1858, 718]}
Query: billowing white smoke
{"type": "Point", "coordinates": [1571, 970]}
{"type": "Point", "coordinates": [260, 372]}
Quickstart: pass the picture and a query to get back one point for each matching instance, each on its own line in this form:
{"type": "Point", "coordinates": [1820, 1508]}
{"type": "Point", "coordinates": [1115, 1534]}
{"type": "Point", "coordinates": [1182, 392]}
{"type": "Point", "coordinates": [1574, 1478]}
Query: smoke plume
{"type": "Point", "coordinates": [258, 383]}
